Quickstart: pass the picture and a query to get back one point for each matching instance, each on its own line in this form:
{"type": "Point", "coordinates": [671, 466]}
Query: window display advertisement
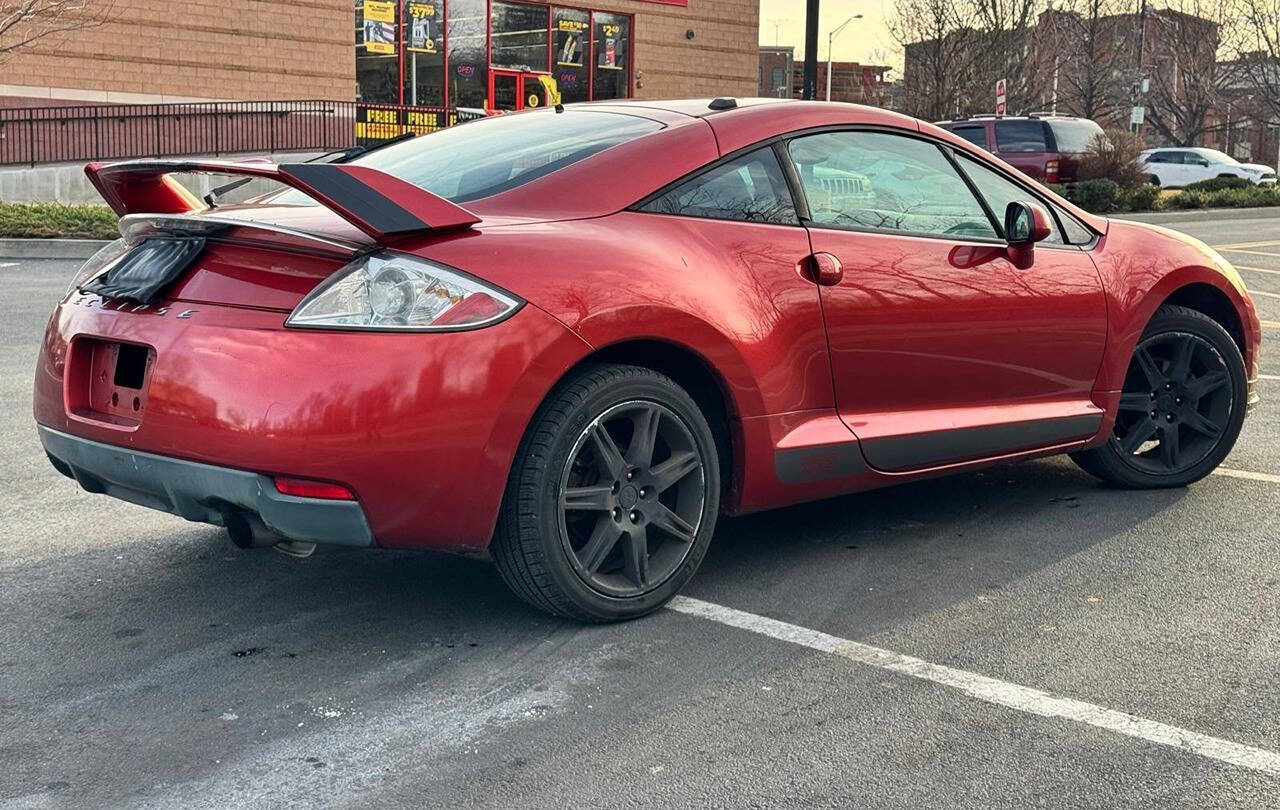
{"type": "Point", "coordinates": [379, 26]}
{"type": "Point", "coordinates": [424, 26]}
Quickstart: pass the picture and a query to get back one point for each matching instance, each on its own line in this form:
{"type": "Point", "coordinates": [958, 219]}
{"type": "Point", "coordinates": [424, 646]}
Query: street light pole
{"type": "Point", "coordinates": [831, 36]}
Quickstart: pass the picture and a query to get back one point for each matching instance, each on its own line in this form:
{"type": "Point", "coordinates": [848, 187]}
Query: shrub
{"type": "Point", "coordinates": [1188, 199]}
{"type": "Point", "coordinates": [1143, 198]}
{"type": "Point", "coordinates": [1250, 196]}
{"type": "Point", "coordinates": [1061, 190]}
{"type": "Point", "coordinates": [1113, 156]}
{"type": "Point", "coordinates": [1099, 195]}
{"type": "Point", "coordinates": [54, 220]}
{"type": "Point", "coordinates": [1220, 184]}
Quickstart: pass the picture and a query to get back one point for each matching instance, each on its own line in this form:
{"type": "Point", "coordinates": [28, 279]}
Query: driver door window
{"type": "Point", "coordinates": [880, 182]}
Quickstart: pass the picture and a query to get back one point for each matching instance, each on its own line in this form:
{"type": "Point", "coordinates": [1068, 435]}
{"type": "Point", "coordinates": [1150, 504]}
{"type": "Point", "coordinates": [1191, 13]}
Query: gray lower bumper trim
{"type": "Point", "coordinates": [202, 492]}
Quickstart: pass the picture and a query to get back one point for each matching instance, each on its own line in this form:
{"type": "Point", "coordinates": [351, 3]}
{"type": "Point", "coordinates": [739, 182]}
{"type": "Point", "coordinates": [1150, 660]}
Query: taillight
{"type": "Point", "coordinates": [302, 488]}
{"type": "Point", "coordinates": [1051, 171]}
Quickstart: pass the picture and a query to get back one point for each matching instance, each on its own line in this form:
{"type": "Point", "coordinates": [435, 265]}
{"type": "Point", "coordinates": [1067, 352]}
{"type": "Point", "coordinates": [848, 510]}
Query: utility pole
{"type": "Point", "coordinates": [810, 50]}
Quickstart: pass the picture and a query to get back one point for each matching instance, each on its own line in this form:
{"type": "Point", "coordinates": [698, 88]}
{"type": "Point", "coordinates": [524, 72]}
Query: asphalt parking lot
{"type": "Point", "coordinates": [1020, 637]}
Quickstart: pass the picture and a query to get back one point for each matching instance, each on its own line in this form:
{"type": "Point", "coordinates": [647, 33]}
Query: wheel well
{"type": "Point", "coordinates": [1211, 301]}
{"type": "Point", "coordinates": [692, 373]}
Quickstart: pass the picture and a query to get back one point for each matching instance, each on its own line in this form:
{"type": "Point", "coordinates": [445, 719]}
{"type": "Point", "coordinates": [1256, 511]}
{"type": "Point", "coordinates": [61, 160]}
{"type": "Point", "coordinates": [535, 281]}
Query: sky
{"type": "Point", "coordinates": [864, 40]}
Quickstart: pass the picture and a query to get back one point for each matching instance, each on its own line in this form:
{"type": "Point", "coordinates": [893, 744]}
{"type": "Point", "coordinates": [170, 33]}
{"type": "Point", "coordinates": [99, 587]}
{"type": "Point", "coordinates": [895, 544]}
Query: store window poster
{"type": "Point", "coordinates": [569, 36]}
{"type": "Point", "coordinates": [379, 26]}
{"type": "Point", "coordinates": [424, 27]}
{"type": "Point", "coordinates": [609, 45]}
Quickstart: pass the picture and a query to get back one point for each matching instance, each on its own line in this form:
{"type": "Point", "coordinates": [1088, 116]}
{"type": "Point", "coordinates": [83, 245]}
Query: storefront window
{"type": "Point", "coordinates": [377, 63]}
{"type": "Point", "coordinates": [467, 69]}
{"type": "Point", "coordinates": [519, 36]}
{"type": "Point", "coordinates": [423, 38]}
{"type": "Point", "coordinates": [571, 53]}
{"type": "Point", "coordinates": [611, 46]}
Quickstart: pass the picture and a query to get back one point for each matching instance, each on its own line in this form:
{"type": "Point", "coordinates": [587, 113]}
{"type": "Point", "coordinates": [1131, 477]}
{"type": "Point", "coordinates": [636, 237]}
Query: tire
{"type": "Point", "coordinates": [581, 476]}
{"type": "Point", "coordinates": [1153, 180]}
{"type": "Point", "coordinates": [1204, 421]}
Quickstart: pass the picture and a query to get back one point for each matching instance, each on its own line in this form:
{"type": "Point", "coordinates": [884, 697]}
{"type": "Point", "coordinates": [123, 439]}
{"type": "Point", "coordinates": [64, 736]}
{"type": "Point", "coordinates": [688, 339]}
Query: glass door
{"type": "Point", "coordinates": [506, 90]}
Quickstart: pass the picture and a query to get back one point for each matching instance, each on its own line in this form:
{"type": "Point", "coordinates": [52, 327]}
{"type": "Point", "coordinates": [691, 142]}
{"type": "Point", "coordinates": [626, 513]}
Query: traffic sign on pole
{"type": "Point", "coordinates": [1001, 97]}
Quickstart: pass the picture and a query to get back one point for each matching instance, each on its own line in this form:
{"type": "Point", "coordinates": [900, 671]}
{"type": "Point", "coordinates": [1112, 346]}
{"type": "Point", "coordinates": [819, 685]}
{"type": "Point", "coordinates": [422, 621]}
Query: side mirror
{"type": "Point", "coordinates": [1202, 162]}
{"type": "Point", "coordinates": [1026, 223]}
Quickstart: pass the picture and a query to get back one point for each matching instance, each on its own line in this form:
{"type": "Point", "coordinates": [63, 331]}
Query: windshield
{"type": "Point", "coordinates": [477, 159]}
{"type": "Point", "coordinates": [1074, 135]}
{"type": "Point", "coordinates": [1215, 157]}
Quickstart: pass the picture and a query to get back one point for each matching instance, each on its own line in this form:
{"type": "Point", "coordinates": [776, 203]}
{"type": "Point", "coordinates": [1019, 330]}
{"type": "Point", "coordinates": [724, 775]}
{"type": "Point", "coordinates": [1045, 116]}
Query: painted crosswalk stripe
{"type": "Point", "coordinates": [1001, 693]}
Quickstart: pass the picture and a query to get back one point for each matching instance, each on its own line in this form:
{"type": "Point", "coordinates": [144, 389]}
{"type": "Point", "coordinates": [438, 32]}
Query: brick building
{"type": "Point", "coordinates": [776, 66]}
{"type": "Point", "coordinates": [433, 53]}
{"type": "Point", "coordinates": [850, 82]}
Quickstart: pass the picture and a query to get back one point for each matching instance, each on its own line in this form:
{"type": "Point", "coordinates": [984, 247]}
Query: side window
{"type": "Point", "coordinates": [750, 188]}
{"type": "Point", "coordinates": [1077, 233]}
{"type": "Point", "coordinates": [999, 192]}
{"type": "Point", "coordinates": [1158, 157]}
{"type": "Point", "coordinates": [1021, 136]}
{"type": "Point", "coordinates": [878, 181]}
{"type": "Point", "coordinates": [974, 135]}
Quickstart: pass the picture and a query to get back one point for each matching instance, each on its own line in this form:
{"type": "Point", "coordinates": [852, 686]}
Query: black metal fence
{"type": "Point", "coordinates": [34, 135]}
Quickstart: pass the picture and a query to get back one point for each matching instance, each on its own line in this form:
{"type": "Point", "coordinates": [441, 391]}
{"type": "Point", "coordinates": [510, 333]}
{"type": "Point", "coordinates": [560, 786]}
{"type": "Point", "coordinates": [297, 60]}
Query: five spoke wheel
{"type": "Point", "coordinates": [631, 498]}
{"type": "Point", "coordinates": [1176, 404]}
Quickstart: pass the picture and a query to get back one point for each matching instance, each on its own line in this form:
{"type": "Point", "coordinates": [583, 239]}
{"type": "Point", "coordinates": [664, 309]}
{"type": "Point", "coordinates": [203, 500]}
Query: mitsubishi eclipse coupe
{"type": "Point", "coordinates": [570, 339]}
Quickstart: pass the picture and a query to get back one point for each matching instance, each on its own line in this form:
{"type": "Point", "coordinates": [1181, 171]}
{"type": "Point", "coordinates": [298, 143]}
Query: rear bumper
{"type": "Point", "coordinates": [202, 492]}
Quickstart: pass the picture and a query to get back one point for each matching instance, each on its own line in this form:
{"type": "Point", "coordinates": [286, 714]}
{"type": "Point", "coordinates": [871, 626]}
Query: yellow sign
{"type": "Point", "coordinates": [379, 26]}
{"type": "Point", "coordinates": [552, 89]}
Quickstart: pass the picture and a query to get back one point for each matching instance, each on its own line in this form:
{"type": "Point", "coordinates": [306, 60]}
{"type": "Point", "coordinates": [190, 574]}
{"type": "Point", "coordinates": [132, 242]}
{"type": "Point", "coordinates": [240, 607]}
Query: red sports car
{"type": "Point", "coordinates": [569, 339]}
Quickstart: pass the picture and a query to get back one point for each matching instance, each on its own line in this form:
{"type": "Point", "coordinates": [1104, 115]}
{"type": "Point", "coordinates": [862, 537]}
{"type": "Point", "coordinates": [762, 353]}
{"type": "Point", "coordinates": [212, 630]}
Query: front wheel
{"type": "Point", "coordinates": [1182, 406]}
{"type": "Point", "coordinates": [612, 499]}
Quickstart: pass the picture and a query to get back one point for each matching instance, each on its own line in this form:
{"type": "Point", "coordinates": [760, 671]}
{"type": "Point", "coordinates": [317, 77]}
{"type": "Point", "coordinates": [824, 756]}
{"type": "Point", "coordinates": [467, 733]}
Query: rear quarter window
{"type": "Point", "coordinates": [1021, 136]}
{"type": "Point", "coordinates": [974, 135]}
{"type": "Point", "coordinates": [1074, 136]}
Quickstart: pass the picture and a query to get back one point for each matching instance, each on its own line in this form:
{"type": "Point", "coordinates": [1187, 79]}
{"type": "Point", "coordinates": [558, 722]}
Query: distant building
{"type": "Point", "coordinates": [776, 63]}
{"type": "Point", "coordinates": [850, 82]}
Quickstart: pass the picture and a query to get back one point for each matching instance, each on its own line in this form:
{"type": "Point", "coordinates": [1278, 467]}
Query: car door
{"type": "Point", "coordinates": [941, 349]}
{"type": "Point", "coordinates": [1190, 168]}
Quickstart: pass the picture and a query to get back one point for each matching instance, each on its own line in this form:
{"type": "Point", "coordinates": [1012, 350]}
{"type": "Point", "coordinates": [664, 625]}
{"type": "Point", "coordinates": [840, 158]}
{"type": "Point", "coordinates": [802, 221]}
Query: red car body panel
{"type": "Point", "coordinates": [900, 371]}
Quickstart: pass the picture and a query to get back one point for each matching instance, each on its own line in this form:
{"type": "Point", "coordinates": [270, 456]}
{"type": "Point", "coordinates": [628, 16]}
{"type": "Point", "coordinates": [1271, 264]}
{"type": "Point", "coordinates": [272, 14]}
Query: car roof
{"type": "Point", "coordinates": [694, 107]}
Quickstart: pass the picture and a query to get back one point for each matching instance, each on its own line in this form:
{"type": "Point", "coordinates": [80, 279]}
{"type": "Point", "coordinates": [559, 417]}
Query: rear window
{"type": "Point", "coordinates": [480, 158]}
{"type": "Point", "coordinates": [974, 135]}
{"type": "Point", "coordinates": [1020, 136]}
{"type": "Point", "coordinates": [1074, 136]}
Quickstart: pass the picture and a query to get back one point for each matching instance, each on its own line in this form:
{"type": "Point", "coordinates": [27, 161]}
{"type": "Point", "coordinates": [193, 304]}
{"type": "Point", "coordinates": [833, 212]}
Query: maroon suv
{"type": "Point", "coordinates": [1046, 147]}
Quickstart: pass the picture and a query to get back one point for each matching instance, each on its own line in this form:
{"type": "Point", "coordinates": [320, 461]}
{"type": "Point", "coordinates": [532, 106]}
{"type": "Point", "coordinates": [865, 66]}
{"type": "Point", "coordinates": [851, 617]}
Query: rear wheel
{"type": "Point", "coordinates": [613, 497]}
{"type": "Point", "coordinates": [1182, 406]}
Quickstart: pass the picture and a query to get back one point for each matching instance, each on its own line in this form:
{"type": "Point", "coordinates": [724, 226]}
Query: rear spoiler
{"type": "Point", "coordinates": [375, 202]}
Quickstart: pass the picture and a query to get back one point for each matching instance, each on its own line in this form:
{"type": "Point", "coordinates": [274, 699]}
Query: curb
{"type": "Point", "coordinates": [49, 248]}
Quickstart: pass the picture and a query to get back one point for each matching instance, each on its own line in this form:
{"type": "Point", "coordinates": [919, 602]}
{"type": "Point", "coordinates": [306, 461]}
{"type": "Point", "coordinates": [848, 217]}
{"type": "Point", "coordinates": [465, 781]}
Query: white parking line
{"type": "Point", "coordinates": [1270, 324]}
{"type": "Point", "coordinates": [991, 690]}
{"type": "Point", "coordinates": [8, 264]}
{"type": "Point", "coordinates": [1256, 269]}
{"type": "Point", "coordinates": [1235, 245]}
{"type": "Point", "coordinates": [1252, 476]}
{"type": "Point", "coordinates": [1252, 252]}
{"type": "Point", "coordinates": [1264, 293]}
{"type": "Point", "coordinates": [1268, 377]}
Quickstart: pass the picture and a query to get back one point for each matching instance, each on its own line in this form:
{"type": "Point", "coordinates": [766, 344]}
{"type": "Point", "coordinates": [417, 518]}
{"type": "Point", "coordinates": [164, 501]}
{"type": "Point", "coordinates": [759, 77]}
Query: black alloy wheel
{"type": "Point", "coordinates": [1181, 408]}
{"type": "Point", "coordinates": [613, 495]}
{"type": "Point", "coordinates": [631, 498]}
{"type": "Point", "coordinates": [1176, 403]}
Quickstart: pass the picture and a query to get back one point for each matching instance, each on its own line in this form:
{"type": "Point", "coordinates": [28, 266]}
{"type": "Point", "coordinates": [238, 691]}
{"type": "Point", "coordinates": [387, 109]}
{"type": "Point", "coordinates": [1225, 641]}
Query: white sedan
{"type": "Point", "coordinates": [1182, 166]}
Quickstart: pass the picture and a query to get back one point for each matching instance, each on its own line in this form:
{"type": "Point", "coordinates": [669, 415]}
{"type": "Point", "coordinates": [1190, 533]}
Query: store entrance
{"type": "Point", "coordinates": [511, 90]}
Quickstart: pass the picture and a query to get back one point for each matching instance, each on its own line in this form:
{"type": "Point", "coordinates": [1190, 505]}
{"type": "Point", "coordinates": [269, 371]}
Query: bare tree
{"type": "Point", "coordinates": [1094, 57]}
{"type": "Point", "coordinates": [23, 22]}
{"type": "Point", "coordinates": [1258, 64]}
{"type": "Point", "coordinates": [1181, 66]}
{"type": "Point", "coordinates": [941, 42]}
{"type": "Point", "coordinates": [1006, 53]}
